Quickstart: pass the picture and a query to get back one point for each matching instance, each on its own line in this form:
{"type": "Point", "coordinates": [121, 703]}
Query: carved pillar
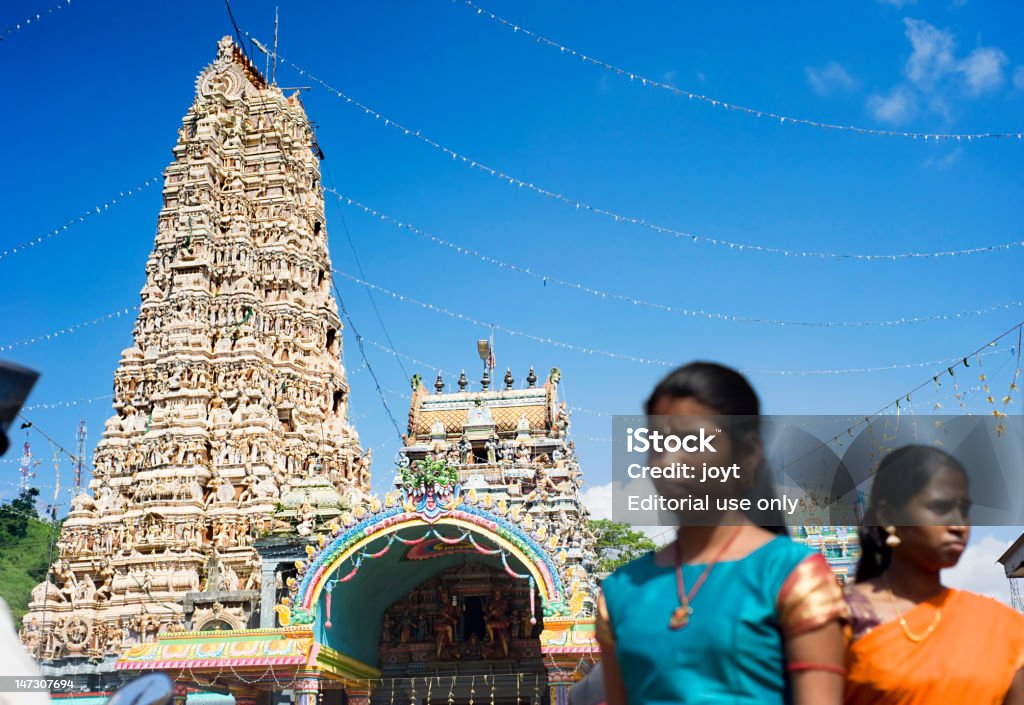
{"type": "Point", "coordinates": [560, 679]}
{"type": "Point", "coordinates": [307, 688]}
{"type": "Point", "coordinates": [559, 693]}
{"type": "Point", "coordinates": [268, 596]}
{"type": "Point", "coordinates": [245, 696]}
{"type": "Point", "coordinates": [180, 693]}
{"type": "Point", "coordinates": [358, 696]}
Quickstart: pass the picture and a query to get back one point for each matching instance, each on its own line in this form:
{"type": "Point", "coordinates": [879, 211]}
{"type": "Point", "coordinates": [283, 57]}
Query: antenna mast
{"type": "Point", "coordinates": [273, 76]}
{"type": "Point", "coordinates": [26, 468]}
{"type": "Point", "coordinates": [80, 452]}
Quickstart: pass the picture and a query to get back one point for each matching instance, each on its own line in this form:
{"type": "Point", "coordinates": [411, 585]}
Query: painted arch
{"type": "Point", "coordinates": [339, 556]}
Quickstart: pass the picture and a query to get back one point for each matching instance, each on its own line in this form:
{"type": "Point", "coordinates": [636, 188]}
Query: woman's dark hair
{"type": "Point", "coordinates": [729, 393]}
{"type": "Point", "coordinates": [901, 475]}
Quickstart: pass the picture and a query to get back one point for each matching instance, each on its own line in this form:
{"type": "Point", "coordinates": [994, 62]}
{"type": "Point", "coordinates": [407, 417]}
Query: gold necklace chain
{"type": "Point", "coordinates": [916, 638]}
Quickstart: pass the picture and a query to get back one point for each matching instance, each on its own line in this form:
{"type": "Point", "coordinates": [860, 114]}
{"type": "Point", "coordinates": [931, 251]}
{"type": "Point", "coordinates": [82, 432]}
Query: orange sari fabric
{"type": "Point", "coordinates": [971, 656]}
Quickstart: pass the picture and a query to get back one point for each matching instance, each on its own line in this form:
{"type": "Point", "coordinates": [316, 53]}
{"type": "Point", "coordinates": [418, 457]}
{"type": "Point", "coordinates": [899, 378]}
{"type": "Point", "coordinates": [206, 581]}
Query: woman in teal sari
{"type": "Point", "coordinates": [730, 612]}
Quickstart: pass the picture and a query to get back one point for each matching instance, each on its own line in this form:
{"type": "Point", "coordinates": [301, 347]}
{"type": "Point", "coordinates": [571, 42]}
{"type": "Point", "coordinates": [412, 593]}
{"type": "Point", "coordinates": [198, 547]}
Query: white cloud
{"type": "Point", "coordinates": [669, 76]}
{"type": "Point", "coordinates": [945, 161]}
{"type": "Point", "coordinates": [983, 70]}
{"type": "Point", "coordinates": [979, 569]}
{"type": "Point", "coordinates": [936, 76]}
{"type": "Point", "coordinates": [899, 106]}
{"type": "Point", "coordinates": [830, 77]}
{"type": "Point", "coordinates": [1018, 78]}
{"type": "Point", "coordinates": [897, 3]}
{"type": "Point", "coordinates": [932, 57]}
{"type": "Point", "coordinates": [598, 500]}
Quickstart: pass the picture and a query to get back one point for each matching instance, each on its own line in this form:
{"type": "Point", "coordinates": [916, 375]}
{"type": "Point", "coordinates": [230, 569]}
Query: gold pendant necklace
{"type": "Point", "coordinates": [916, 638]}
{"type": "Point", "coordinates": [681, 614]}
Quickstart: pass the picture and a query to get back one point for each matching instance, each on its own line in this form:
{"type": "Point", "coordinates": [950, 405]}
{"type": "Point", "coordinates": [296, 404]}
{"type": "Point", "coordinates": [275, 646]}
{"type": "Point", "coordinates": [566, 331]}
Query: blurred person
{"type": "Point", "coordinates": [731, 611]}
{"type": "Point", "coordinates": [15, 662]}
{"type": "Point", "coordinates": [915, 641]}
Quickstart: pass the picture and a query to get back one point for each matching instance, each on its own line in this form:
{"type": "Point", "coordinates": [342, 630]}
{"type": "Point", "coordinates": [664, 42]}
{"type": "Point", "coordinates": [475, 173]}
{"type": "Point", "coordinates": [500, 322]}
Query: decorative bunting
{"type": "Point", "coordinates": [715, 102]}
{"type": "Point", "coordinates": [622, 356]}
{"type": "Point", "coordinates": [690, 313]}
{"type": "Point", "coordinates": [95, 210]}
{"type": "Point", "coordinates": [634, 220]}
{"type": "Point", "coordinates": [69, 329]}
{"type": "Point", "coordinates": [28, 21]}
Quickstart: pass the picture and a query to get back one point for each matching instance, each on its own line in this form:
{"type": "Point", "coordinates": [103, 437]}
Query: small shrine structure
{"type": "Point", "coordinates": [471, 581]}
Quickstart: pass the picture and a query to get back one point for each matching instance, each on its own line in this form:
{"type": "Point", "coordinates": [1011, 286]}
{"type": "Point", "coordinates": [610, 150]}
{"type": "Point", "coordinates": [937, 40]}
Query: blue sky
{"type": "Point", "coordinates": [97, 90]}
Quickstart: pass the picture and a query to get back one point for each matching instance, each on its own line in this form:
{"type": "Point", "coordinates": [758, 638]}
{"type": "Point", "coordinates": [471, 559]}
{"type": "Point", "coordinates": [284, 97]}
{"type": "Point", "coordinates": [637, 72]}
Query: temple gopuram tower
{"type": "Point", "coordinates": [232, 395]}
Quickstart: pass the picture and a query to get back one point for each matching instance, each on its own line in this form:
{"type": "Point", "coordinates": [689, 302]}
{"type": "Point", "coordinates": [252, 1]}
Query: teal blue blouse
{"type": "Point", "coordinates": [731, 650]}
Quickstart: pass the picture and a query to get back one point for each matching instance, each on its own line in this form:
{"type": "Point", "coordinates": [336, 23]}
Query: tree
{"type": "Point", "coordinates": [618, 543]}
{"type": "Point", "coordinates": [14, 516]}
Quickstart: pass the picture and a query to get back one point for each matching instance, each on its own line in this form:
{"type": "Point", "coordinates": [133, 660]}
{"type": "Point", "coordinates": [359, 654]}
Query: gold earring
{"type": "Point", "coordinates": [892, 540]}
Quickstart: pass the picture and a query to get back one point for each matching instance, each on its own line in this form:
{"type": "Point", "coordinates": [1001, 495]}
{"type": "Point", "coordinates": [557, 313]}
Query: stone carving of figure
{"type": "Point", "coordinates": [30, 635]}
{"type": "Point", "coordinates": [307, 517]}
{"type": "Point", "coordinates": [562, 421]}
{"type": "Point", "coordinates": [445, 623]}
{"type": "Point", "coordinates": [65, 578]}
{"type": "Point", "coordinates": [228, 580]}
{"type": "Point", "coordinates": [492, 449]}
{"type": "Point", "coordinates": [465, 450]}
{"type": "Point", "coordinates": [496, 619]}
{"type": "Point", "coordinates": [106, 575]}
{"type": "Point", "coordinates": [363, 467]}
{"type": "Point", "coordinates": [86, 589]}
{"type": "Point", "coordinates": [507, 452]}
{"type": "Point", "coordinates": [255, 579]}
{"type": "Point", "coordinates": [523, 455]}
{"type": "Point", "coordinates": [221, 537]}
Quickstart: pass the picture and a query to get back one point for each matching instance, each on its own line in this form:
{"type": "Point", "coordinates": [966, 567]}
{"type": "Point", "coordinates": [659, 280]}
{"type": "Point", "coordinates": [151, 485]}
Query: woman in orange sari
{"type": "Point", "coordinates": [914, 641]}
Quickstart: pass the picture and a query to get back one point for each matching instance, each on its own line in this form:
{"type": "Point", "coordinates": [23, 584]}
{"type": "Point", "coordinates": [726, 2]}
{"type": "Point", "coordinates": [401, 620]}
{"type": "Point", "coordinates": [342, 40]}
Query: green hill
{"type": "Point", "coordinates": [24, 551]}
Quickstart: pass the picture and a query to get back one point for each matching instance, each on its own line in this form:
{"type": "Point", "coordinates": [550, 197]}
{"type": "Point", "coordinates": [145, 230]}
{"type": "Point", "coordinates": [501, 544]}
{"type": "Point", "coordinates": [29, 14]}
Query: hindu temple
{"type": "Point", "coordinates": [229, 537]}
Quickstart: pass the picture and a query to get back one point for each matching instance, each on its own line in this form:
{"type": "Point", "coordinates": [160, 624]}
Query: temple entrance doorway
{"type": "Point", "coordinates": [464, 636]}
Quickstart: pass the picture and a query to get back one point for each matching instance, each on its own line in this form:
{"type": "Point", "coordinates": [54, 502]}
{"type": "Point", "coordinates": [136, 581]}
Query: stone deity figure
{"type": "Point", "coordinates": [445, 623]}
{"type": "Point", "coordinates": [405, 633]}
{"type": "Point", "coordinates": [465, 450]}
{"type": "Point", "coordinates": [307, 517]}
{"type": "Point", "coordinates": [562, 421]}
{"type": "Point", "coordinates": [508, 452]}
{"type": "Point", "coordinates": [492, 449]}
{"type": "Point", "coordinates": [30, 635]}
{"type": "Point", "coordinates": [255, 579]}
{"type": "Point", "coordinates": [65, 578]}
{"type": "Point", "coordinates": [496, 620]}
{"type": "Point", "coordinates": [403, 459]}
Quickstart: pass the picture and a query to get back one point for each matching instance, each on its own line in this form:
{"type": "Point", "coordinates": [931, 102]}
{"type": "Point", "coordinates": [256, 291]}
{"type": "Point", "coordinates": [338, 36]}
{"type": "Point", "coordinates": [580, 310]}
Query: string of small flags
{"type": "Point", "coordinates": [69, 329]}
{"type": "Point", "coordinates": [690, 313]}
{"type": "Point", "coordinates": [633, 220]}
{"type": "Point", "coordinates": [725, 105]}
{"type": "Point", "coordinates": [66, 404]}
{"type": "Point", "coordinates": [631, 358]}
{"type": "Point", "coordinates": [28, 21]}
{"type": "Point", "coordinates": [895, 404]}
{"type": "Point", "coordinates": [95, 210]}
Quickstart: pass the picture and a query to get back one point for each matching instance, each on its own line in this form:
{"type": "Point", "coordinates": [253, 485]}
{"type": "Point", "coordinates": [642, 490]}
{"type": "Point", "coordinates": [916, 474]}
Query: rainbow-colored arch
{"type": "Point", "coordinates": [501, 532]}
